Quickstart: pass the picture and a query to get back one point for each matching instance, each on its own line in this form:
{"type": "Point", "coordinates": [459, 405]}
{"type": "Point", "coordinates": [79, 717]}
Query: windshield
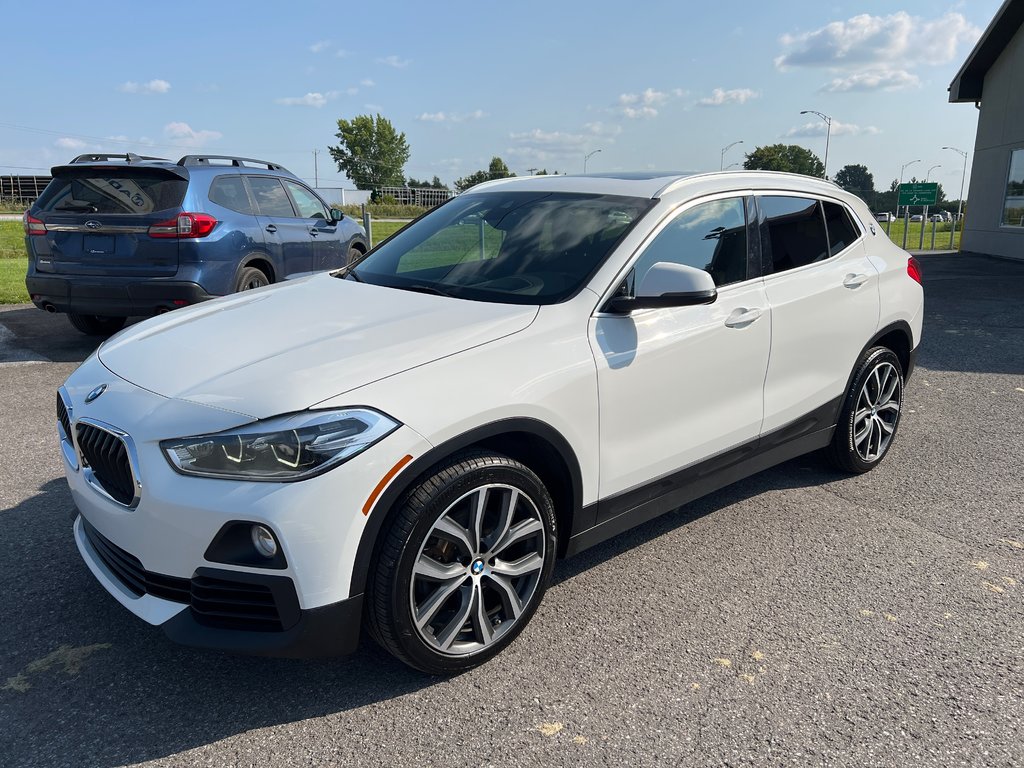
{"type": "Point", "coordinates": [507, 247]}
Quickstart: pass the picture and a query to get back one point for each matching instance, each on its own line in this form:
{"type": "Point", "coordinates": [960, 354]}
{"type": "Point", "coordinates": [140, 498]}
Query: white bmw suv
{"type": "Point", "coordinates": [528, 370]}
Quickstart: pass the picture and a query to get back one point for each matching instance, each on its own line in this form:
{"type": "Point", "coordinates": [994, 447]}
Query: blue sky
{"type": "Point", "coordinates": [651, 85]}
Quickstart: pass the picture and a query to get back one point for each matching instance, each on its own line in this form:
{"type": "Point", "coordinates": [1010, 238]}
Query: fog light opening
{"type": "Point", "coordinates": [263, 540]}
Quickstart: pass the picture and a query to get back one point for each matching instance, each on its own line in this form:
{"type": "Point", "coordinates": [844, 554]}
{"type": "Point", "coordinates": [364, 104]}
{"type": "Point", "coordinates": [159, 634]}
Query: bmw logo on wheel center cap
{"type": "Point", "coordinates": [477, 567]}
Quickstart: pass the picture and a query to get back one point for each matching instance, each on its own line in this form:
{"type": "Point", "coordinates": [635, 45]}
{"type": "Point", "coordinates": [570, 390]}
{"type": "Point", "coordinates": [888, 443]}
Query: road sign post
{"type": "Point", "coordinates": [917, 194]}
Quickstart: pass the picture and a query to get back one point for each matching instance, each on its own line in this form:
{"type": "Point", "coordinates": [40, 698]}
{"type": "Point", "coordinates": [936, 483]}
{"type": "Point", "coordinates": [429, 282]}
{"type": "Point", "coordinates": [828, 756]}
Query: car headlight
{"type": "Point", "coordinates": [280, 449]}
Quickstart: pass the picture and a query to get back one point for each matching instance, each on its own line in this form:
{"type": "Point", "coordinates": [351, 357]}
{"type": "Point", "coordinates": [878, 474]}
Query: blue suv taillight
{"type": "Point", "coordinates": [184, 226]}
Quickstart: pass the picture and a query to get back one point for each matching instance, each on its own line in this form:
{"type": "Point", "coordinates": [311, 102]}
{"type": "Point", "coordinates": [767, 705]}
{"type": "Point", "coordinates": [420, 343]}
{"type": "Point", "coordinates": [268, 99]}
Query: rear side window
{"type": "Point", "coordinates": [792, 232]}
{"type": "Point", "coordinates": [308, 204]}
{"type": "Point", "coordinates": [841, 231]}
{"type": "Point", "coordinates": [229, 192]}
{"type": "Point", "coordinates": [271, 199]}
{"type": "Point", "coordinates": [113, 190]}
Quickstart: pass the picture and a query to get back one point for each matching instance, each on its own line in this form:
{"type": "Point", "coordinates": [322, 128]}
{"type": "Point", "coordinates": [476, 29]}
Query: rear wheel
{"type": "Point", "coordinates": [97, 325]}
{"type": "Point", "coordinates": [870, 414]}
{"type": "Point", "coordinates": [250, 278]}
{"type": "Point", "coordinates": [464, 565]}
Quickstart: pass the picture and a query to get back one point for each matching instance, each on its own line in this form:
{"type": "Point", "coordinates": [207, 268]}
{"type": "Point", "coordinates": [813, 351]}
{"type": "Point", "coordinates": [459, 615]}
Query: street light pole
{"type": "Point", "coordinates": [828, 136]}
{"type": "Point", "coordinates": [721, 165]}
{"type": "Point", "coordinates": [587, 157]}
{"type": "Point", "coordinates": [960, 202]}
{"type": "Point", "coordinates": [901, 184]}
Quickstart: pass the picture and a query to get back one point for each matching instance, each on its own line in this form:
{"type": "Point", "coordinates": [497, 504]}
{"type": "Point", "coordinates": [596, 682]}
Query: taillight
{"type": "Point", "coordinates": [184, 226]}
{"type": "Point", "coordinates": [33, 226]}
{"type": "Point", "coordinates": [914, 269]}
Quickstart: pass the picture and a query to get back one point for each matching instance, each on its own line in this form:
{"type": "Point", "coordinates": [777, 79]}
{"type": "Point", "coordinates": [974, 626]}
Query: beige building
{"type": "Point", "coordinates": [992, 78]}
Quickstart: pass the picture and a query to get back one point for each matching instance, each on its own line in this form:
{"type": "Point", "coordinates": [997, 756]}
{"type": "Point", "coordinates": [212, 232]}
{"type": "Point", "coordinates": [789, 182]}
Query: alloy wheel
{"type": "Point", "coordinates": [878, 410]}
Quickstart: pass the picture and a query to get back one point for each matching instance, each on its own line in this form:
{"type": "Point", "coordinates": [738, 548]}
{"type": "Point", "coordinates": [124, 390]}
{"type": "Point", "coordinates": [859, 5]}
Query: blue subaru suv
{"type": "Point", "coordinates": [114, 236]}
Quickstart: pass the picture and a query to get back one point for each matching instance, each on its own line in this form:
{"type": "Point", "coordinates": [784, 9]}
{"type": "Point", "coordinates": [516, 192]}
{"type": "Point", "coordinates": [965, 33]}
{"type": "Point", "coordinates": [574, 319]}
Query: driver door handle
{"type": "Point", "coordinates": [740, 318]}
{"type": "Point", "coordinates": [271, 228]}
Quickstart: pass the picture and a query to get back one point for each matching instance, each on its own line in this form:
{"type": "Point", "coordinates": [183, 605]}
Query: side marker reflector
{"type": "Point", "coordinates": [384, 482]}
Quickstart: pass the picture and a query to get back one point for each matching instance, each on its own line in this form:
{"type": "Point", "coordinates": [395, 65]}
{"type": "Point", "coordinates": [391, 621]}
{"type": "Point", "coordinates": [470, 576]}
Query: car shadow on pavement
{"type": "Point", "coordinates": [122, 692]}
{"type": "Point", "coordinates": [45, 336]}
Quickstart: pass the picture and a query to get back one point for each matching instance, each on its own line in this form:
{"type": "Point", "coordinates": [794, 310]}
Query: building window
{"type": "Point", "coordinates": [1013, 207]}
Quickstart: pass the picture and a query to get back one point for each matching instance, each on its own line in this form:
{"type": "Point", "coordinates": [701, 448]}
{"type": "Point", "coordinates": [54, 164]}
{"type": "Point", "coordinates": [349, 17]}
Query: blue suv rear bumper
{"type": "Point", "coordinates": [126, 297]}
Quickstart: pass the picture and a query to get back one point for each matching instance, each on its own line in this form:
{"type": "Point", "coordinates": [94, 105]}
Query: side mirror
{"type": "Point", "coordinates": [668, 285]}
{"type": "Point", "coordinates": [336, 215]}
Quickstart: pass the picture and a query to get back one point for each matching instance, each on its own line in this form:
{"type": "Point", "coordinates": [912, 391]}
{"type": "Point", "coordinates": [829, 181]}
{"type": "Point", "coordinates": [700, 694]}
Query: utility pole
{"type": "Point", "coordinates": [316, 176]}
{"type": "Point", "coordinates": [532, 171]}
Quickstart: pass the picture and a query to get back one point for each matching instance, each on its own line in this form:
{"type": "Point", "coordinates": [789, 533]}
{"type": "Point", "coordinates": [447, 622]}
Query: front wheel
{"type": "Point", "coordinates": [464, 565]}
{"type": "Point", "coordinates": [251, 278]}
{"type": "Point", "coordinates": [96, 325]}
{"type": "Point", "coordinates": [870, 413]}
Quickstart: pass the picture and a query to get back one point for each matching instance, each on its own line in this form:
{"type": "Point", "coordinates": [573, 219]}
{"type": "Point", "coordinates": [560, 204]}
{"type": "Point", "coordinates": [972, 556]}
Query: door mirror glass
{"type": "Point", "coordinates": [336, 215]}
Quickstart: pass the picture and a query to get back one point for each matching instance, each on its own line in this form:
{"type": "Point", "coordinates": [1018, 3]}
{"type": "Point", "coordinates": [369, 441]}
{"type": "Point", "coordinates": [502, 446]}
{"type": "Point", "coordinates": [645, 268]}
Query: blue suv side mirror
{"type": "Point", "coordinates": [336, 215]}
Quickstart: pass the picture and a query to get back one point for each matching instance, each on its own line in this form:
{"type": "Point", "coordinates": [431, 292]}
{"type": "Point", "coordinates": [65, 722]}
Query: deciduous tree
{"type": "Point", "coordinates": [371, 152]}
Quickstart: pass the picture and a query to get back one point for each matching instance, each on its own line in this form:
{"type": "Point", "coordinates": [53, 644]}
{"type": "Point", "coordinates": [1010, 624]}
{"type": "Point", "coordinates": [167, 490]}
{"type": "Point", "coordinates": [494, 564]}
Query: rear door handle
{"type": "Point", "coordinates": [855, 280]}
{"type": "Point", "coordinates": [740, 318]}
{"type": "Point", "coordinates": [313, 232]}
{"type": "Point", "coordinates": [271, 228]}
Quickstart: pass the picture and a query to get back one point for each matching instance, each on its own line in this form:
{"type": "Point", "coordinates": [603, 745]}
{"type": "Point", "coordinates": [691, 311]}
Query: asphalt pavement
{"type": "Point", "coordinates": [800, 617]}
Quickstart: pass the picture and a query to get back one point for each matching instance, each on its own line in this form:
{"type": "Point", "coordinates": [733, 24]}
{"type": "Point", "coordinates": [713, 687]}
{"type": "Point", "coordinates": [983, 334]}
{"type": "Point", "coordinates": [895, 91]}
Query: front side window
{"type": "Point", "coordinates": [308, 204]}
{"type": "Point", "coordinates": [711, 236]}
{"type": "Point", "coordinates": [1013, 205]}
{"type": "Point", "coordinates": [507, 247]}
{"type": "Point", "coordinates": [792, 232]}
{"type": "Point", "coordinates": [271, 199]}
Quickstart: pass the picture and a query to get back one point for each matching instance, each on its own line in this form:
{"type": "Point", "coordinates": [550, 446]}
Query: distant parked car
{"type": "Point", "coordinates": [114, 236]}
{"type": "Point", "coordinates": [885, 216]}
{"type": "Point", "coordinates": [917, 217]}
{"type": "Point", "coordinates": [937, 217]}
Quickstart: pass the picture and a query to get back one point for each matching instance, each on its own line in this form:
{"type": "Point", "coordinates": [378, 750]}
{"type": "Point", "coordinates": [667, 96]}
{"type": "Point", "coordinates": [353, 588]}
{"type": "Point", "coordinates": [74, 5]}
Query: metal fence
{"type": "Point", "coordinates": [426, 197]}
{"type": "Point", "coordinates": [22, 189]}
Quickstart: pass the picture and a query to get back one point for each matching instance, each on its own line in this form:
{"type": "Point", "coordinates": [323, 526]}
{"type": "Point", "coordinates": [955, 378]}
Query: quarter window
{"type": "Point", "coordinates": [271, 199]}
{"type": "Point", "coordinates": [792, 232]}
{"type": "Point", "coordinates": [229, 192]}
{"type": "Point", "coordinates": [841, 231]}
{"type": "Point", "coordinates": [1013, 204]}
{"type": "Point", "coordinates": [711, 236]}
{"type": "Point", "coordinates": [308, 204]}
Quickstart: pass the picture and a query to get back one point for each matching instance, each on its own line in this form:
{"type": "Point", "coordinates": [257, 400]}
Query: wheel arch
{"type": "Point", "coordinates": [896, 336]}
{"type": "Point", "coordinates": [261, 261]}
{"type": "Point", "coordinates": [529, 441]}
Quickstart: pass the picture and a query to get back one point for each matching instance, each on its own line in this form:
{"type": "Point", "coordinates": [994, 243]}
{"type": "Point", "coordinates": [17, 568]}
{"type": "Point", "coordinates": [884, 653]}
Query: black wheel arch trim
{"type": "Point", "coordinates": [415, 469]}
{"type": "Point", "coordinates": [901, 326]}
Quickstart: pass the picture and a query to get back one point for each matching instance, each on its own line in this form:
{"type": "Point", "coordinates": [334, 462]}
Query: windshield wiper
{"type": "Point", "coordinates": [420, 288]}
{"type": "Point", "coordinates": [76, 206]}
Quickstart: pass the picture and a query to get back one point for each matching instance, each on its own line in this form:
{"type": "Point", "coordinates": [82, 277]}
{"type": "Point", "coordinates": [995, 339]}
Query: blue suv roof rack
{"type": "Point", "coordinates": [128, 157]}
{"type": "Point", "coordinates": [194, 160]}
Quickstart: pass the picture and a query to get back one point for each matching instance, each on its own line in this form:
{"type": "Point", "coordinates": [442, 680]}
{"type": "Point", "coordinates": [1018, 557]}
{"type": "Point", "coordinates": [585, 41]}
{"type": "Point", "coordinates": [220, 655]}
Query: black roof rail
{"type": "Point", "coordinates": [128, 157]}
{"type": "Point", "coordinates": [231, 160]}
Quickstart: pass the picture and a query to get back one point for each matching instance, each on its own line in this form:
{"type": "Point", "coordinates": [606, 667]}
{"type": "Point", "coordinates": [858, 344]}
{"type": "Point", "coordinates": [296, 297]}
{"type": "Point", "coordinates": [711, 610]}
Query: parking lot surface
{"type": "Point", "coordinates": [800, 617]}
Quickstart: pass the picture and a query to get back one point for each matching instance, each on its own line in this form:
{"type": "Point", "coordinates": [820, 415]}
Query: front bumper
{"type": "Point", "coordinates": [187, 613]}
{"type": "Point", "coordinates": [117, 297]}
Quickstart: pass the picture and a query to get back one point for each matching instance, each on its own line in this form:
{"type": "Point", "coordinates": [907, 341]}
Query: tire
{"type": "Point", "coordinates": [354, 254]}
{"type": "Point", "coordinates": [870, 414]}
{"type": "Point", "coordinates": [471, 603]}
{"type": "Point", "coordinates": [250, 278]}
{"type": "Point", "coordinates": [97, 325]}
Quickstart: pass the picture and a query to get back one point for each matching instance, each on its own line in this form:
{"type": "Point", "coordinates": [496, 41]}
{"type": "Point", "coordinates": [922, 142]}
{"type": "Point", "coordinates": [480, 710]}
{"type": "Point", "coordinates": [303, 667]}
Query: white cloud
{"type": "Point", "coordinates": [351, 91]}
{"type": "Point", "coordinates": [819, 128]}
{"type": "Point", "coordinates": [341, 53]}
{"type": "Point", "coordinates": [877, 40]}
{"type": "Point", "coordinates": [561, 147]}
{"type": "Point", "coordinates": [720, 97]}
{"type": "Point", "coordinates": [68, 143]}
{"type": "Point", "coordinates": [367, 83]}
{"type": "Point", "coordinates": [319, 46]}
{"type": "Point", "coordinates": [314, 99]}
{"type": "Point", "coordinates": [644, 104]}
{"type": "Point", "coordinates": [451, 117]}
{"type": "Point", "coordinates": [184, 135]}
{"type": "Point", "coordinates": [432, 117]}
{"type": "Point", "coordinates": [874, 80]}
{"type": "Point", "coordinates": [394, 61]}
{"type": "Point", "coordinates": [153, 86]}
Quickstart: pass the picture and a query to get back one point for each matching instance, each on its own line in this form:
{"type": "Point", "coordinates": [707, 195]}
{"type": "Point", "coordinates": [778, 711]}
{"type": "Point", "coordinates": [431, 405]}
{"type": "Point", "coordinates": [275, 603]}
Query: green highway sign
{"type": "Point", "coordinates": [918, 194]}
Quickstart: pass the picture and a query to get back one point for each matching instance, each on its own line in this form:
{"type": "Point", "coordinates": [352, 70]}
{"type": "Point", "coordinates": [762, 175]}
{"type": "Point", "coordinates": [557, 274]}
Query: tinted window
{"type": "Point", "coordinates": [271, 199]}
{"type": "Point", "coordinates": [1013, 203]}
{"type": "Point", "coordinates": [710, 236]}
{"type": "Point", "coordinates": [793, 232]}
{"type": "Point", "coordinates": [841, 231]}
{"type": "Point", "coordinates": [113, 190]}
{"type": "Point", "coordinates": [229, 191]}
{"type": "Point", "coordinates": [508, 247]}
{"type": "Point", "coordinates": [307, 203]}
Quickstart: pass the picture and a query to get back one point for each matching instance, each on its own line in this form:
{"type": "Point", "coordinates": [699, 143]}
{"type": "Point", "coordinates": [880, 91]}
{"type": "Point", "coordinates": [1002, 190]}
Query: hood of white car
{"type": "Point", "coordinates": [287, 347]}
